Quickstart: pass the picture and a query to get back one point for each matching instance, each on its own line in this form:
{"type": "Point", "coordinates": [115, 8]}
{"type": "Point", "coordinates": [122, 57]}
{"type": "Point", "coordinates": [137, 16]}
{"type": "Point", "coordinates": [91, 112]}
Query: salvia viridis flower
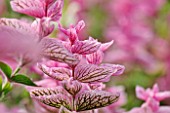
{"type": "Point", "coordinates": [79, 85]}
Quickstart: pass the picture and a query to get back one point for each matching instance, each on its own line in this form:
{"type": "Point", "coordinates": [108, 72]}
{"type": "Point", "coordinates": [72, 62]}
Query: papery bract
{"type": "Point", "coordinates": [89, 73]}
{"type": "Point", "coordinates": [55, 97]}
{"type": "Point", "coordinates": [29, 7]}
{"type": "Point", "coordinates": [55, 10]}
{"type": "Point", "coordinates": [57, 73]}
{"type": "Point", "coordinates": [85, 47]}
{"type": "Point", "coordinates": [43, 27]}
{"type": "Point", "coordinates": [54, 50]}
{"type": "Point", "coordinates": [73, 87]}
{"type": "Point", "coordinates": [73, 31]}
{"type": "Point", "coordinates": [94, 99]}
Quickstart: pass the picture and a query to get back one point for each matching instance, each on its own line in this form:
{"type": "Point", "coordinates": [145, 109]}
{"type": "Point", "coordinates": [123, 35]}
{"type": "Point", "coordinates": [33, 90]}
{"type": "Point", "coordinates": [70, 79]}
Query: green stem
{"type": "Point", "coordinates": [18, 68]}
{"type": "Point", "coordinates": [73, 103]}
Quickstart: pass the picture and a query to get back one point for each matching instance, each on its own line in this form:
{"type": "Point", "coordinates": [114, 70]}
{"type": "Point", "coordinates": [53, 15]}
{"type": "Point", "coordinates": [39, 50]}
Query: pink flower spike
{"type": "Point", "coordinates": [29, 7]}
{"type": "Point", "coordinates": [55, 10]}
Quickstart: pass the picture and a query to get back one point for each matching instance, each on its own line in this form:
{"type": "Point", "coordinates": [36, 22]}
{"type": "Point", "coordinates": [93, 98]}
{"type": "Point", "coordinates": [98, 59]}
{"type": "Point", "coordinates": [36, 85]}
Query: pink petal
{"type": "Point", "coordinates": [80, 26]}
{"type": "Point", "coordinates": [53, 49]}
{"type": "Point", "coordinates": [85, 47]}
{"type": "Point", "coordinates": [58, 73]}
{"type": "Point", "coordinates": [16, 24]}
{"type": "Point", "coordinates": [29, 7]}
{"type": "Point", "coordinates": [72, 86]}
{"type": "Point", "coordinates": [164, 109]}
{"type": "Point", "coordinates": [43, 27]}
{"type": "Point", "coordinates": [89, 73]}
{"type": "Point", "coordinates": [162, 95]}
{"type": "Point", "coordinates": [95, 58]}
{"type": "Point", "coordinates": [153, 104]}
{"type": "Point", "coordinates": [55, 10]}
{"type": "Point", "coordinates": [71, 33]}
{"type": "Point", "coordinates": [141, 94]}
{"type": "Point", "coordinates": [105, 46]}
{"type": "Point", "coordinates": [55, 97]}
{"type": "Point", "coordinates": [117, 69]}
{"type": "Point", "coordinates": [155, 88]}
{"type": "Point", "coordinates": [95, 99]}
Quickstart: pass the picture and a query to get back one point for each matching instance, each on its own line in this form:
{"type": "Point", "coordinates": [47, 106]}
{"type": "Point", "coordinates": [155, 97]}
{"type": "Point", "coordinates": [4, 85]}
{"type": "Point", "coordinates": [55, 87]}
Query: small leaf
{"type": "Point", "coordinates": [1, 82]}
{"type": "Point", "coordinates": [89, 73]}
{"type": "Point", "coordinates": [29, 7]}
{"type": "Point", "coordinates": [16, 24]}
{"type": "Point", "coordinates": [73, 87]}
{"type": "Point", "coordinates": [55, 97]}
{"type": "Point", "coordinates": [6, 69]}
{"type": "Point", "coordinates": [55, 10]}
{"type": "Point", "coordinates": [7, 86]}
{"type": "Point", "coordinates": [58, 73]}
{"type": "Point", "coordinates": [23, 80]}
{"type": "Point", "coordinates": [95, 99]}
{"type": "Point", "coordinates": [86, 47]}
{"type": "Point", "coordinates": [54, 50]}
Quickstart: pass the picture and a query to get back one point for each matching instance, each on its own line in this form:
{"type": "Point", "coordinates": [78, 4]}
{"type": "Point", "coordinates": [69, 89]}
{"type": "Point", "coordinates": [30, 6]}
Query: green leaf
{"type": "Point", "coordinates": [23, 80]}
{"type": "Point", "coordinates": [6, 87]}
{"type": "Point", "coordinates": [6, 69]}
{"type": "Point", "coordinates": [1, 82]}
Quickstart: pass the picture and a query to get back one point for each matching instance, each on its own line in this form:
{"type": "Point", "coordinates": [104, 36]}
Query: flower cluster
{"type": "Point", "coordinates": [152, 98]}
{"type": "Point", "coordinates": [80, 82]}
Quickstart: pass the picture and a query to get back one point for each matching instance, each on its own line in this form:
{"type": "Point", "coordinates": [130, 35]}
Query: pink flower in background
{"type": "Point", "coordinates": [5, 109]}
{"type": "Point", "coordinates": [132, 30]}
{"type": "Point", "coordinates": [2, 7]}
{"type": "Point", "coordinates": [152, 98]}
{"type": "Point", "coordinates": [44, 11]}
